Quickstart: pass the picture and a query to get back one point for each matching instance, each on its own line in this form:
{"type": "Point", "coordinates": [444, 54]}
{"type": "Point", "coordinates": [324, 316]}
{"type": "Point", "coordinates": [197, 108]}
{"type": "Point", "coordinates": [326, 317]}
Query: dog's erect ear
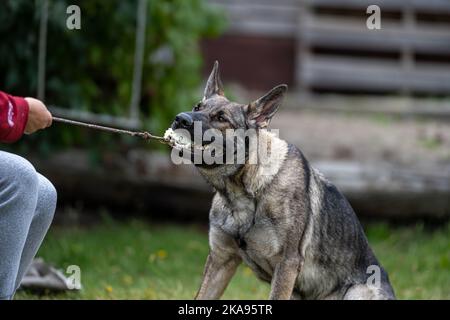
{"type": "Point", "coordinates": [214, 85]}
{"type": "Point", "coordinates": [261, 111]}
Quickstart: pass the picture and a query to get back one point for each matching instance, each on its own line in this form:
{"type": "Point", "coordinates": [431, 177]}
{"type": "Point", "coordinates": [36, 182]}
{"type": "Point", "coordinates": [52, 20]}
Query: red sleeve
{"type": "Point", "coordinates": [13, 117]}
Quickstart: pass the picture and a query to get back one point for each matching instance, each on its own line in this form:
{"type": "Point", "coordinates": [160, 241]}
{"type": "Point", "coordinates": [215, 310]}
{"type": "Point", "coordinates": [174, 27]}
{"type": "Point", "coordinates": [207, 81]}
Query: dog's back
{"type": "Point", "coordinates": [338, 260]}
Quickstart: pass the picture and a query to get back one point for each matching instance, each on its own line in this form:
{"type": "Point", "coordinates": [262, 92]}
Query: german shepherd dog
{"type": "Point", "coordinates": [283, 219]}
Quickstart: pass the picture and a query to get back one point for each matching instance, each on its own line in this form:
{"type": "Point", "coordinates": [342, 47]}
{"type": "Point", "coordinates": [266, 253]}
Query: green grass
{"type": "Point", "coordinates": [135, 260]}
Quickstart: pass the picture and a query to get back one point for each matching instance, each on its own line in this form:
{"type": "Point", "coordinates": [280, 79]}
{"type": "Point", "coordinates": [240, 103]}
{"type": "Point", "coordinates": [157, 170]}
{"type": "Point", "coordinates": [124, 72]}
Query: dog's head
{"type": "Point", "coordinates": [216, 112]}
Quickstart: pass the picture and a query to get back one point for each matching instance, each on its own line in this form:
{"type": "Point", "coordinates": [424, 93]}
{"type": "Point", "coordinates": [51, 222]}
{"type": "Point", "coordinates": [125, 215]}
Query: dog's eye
{"type": "Point", "coordinates": [198, 107]}
{"type": "Point", "coordinates": [221, 118]}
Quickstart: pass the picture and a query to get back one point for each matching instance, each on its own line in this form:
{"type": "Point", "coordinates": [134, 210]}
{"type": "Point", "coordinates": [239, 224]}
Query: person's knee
{"type": "Point", "coordinates": [20, 175]}
{"type": "Point", "coordinates": [47, 197]}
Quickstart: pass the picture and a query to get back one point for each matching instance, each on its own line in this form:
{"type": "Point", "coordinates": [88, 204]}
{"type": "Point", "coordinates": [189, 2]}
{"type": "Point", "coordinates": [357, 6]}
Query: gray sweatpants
{"type": "Point", "coordinates": [27, 205]}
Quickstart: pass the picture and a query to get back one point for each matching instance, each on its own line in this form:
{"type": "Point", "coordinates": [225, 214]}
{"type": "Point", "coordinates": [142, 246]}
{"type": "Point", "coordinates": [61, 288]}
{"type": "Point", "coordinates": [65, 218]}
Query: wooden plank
{"type": "Point", "coordinates": [358, 4]}
{"type": "Point", "coordinates": [429, 78]}
{"type": "Point", "coordinates": [283, 3]}
{"type": "Point", "coordinates": [262, 28]}
{"type": "Point", "coordinates": [339, 33]}
{"type": "Point", "coordinates": [424, 6]}
{"type": "Point", "coordinates": [402, 106]}
{"type": "Point", "coordinates": [261, 19]}
{"type": "Point", "coordinates": [261, 12]}
{"type": "Point", "coordinates": [354, 176]}
{"type": "Point", "coordinates": [344, 73]}
{"type": "Point", "coordinates": [374, 74]}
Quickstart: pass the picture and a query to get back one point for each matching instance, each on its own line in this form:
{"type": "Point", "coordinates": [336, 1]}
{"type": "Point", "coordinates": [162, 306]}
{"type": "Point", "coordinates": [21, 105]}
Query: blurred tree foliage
{"type": "Point", "coordinates": [91, 69]}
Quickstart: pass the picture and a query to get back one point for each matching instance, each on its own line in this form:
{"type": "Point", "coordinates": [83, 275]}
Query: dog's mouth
{"type": "Point", "coordinates": [183, 143]}
{"type": "Point", "coordinates": [177, 140]}
{"type": "Point", "coordinates": [180, 141]}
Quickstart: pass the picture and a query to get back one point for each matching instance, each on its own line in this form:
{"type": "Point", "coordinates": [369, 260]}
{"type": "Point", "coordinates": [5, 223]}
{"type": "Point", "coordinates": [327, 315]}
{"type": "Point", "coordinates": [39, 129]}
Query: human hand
{"type": "Point", "coordinates": [38, 117]}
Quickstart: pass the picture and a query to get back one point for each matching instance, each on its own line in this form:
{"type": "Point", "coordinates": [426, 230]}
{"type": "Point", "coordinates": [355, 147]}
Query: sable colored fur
{"type": "Point", "coordinates": [282, 218]}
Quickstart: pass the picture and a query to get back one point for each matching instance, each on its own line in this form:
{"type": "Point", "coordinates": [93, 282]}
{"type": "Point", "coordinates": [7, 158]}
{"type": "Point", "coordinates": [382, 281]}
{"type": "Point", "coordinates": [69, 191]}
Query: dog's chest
{"type": "Point", "coordinates": [241, 214]}
{"type": "Point", "coordinates": [254, 233]}
{"type": "Point", "coordinates": [242, 206]}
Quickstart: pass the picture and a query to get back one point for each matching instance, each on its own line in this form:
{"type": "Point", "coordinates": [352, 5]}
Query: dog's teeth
{"type": "Point", "coordinates": [178, 141]}
{"type": "Point", "coordinates": [168, 134]}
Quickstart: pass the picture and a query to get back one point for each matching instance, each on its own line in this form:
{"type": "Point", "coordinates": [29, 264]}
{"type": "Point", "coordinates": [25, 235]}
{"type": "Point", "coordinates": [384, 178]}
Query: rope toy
{"type": "Point", "coordinates": [170, 138]}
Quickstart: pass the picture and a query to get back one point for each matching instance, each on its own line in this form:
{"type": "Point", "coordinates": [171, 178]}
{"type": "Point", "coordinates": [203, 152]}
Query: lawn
{"type": "Point", "coordinates": [137, 260]}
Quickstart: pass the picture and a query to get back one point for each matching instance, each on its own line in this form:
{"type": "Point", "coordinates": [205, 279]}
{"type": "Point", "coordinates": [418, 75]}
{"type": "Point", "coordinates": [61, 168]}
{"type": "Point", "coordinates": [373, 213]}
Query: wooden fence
{"type": "Point", "coordinates": [336, 52]}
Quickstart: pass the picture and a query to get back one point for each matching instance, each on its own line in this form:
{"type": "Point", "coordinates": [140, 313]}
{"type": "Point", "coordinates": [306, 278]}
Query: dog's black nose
{"type": "Point", "coordinates": [183, 120]}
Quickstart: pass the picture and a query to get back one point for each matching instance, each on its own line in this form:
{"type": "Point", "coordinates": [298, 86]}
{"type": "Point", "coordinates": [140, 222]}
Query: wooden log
{"type": "Point", "coordinates": [149, 183]}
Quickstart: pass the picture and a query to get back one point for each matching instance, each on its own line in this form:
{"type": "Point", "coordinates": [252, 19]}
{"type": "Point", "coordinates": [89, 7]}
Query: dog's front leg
{"type": "Point", "coordinates": [218, 272]}
{"type": "Point", "coordinates": [284, 277]}
{"type": "Point", "coordinates": [289, 266]}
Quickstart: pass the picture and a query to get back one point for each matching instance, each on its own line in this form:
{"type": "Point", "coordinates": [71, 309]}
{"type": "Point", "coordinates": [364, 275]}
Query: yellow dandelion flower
{"type": "Point", "coordinates": [162, 254]}
{"type": "Point", "coordinates": [108, 289]}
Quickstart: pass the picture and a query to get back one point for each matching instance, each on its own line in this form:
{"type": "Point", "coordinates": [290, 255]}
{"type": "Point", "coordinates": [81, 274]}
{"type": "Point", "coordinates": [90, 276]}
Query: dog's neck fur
{"type": "Point", "coordinates": [249, 178]}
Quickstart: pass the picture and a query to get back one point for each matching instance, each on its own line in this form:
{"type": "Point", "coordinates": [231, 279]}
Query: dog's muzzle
{"type": "Point", "coordinates": [183, 121]}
